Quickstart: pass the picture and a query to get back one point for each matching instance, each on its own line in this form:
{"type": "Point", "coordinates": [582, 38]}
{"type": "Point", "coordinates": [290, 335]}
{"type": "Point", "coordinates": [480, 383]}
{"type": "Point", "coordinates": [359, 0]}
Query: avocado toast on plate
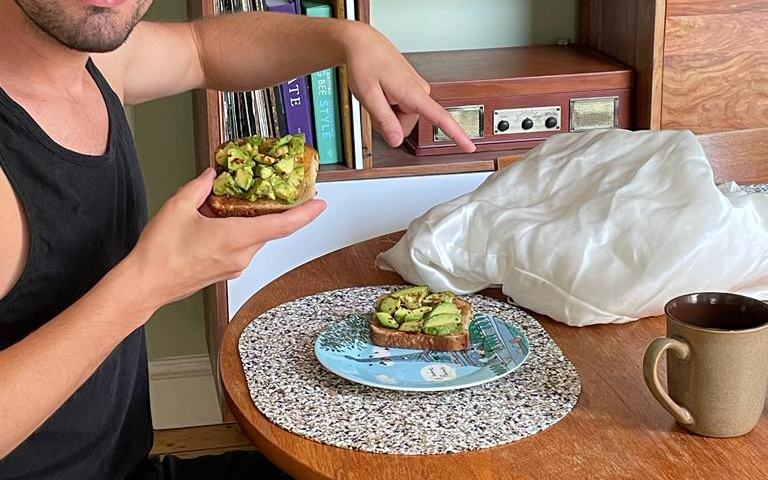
{"type": "Point", "coordinates": [414, 318]}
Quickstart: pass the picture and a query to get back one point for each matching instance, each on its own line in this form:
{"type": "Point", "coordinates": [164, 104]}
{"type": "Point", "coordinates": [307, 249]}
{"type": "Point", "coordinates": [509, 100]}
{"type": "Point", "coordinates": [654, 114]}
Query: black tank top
{"type": "Point", "coordinates": [84, 214]}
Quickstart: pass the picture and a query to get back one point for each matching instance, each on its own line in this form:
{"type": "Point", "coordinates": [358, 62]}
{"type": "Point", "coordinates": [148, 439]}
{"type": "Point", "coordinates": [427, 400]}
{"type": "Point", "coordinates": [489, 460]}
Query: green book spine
{"type": "Point", "coordinates": [325, 100]}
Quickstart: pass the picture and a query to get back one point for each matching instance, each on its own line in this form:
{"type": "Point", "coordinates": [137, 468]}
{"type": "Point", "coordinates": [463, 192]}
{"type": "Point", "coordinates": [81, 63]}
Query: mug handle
{"type": "Point", "coordinates": [650, 372]}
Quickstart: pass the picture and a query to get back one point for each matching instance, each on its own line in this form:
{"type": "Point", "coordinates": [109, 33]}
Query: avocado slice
{"type": "Point", "coordinates": [254, 141]}
{"type": "Point", "coordinates": [264, 171]}
{"type": "Point", "coordinates": [400, 314]}
{"type": "Point", "coordinates": [441, 297]}
{"type": "Point", "coordinates": [389, 305]}
{"type": "Point", "coordinates": [296, 176]}
{"type": "Point", "coordinates": [296, 147]}
{"type": "Point", "coordinates": [414, 327]}
{"type": "Point", "coordinates": [386, 320]}
{"type": "Point", "coordinates": [443, 329]}
{"type": "Point", "coordinates": [276, 148]}
{"type": "Point", "coordinates": [412, 301]}
{"type": "Point", "coordinates": [285, 165]}
{"type": "Point", "coordinates": [244, 178]}
{"type": "Point", "coordinates": [281, 152]}
{"type": "Point", "coordinates": [441, 323]}
{"type": "Point", "coordinates": [265, 159]}
{"type": "Point", "coordinates": [421, 291]}
{"type": "Point", "coordinates": [263, 189]}
{"type": "Point", "coordinates": [286, 192]}
{"type": "Point", "coordinates": [221, 154]}
{"type": "Point", "coordinates": [445, 307]}
{"type": "Point", "coordinates": [417, 314]}
{"type": "Point", "coordinates": [237, 158]}
{"type": "Point", "coordinates": [225, 185]}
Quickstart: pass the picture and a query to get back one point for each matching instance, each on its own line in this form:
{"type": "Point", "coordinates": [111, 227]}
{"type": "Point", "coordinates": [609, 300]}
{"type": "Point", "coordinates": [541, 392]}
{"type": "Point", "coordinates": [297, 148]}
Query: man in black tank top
{"type": "Point", "coordinates": [81, 271]}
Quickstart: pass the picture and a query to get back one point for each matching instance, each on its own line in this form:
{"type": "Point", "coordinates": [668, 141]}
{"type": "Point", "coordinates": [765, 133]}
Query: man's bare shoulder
{"type": "Point", "coordinates": [115, 65]}
{"type": "Point", "coordinates": [157, 60]}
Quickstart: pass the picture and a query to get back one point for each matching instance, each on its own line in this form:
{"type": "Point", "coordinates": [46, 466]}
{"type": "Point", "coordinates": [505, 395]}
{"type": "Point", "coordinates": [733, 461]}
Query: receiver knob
{"type": "Point", "coordinates": [527, 124]}
{"type": "Point", "coordinates": [503, 126]}
{"type": "Point", "coordinates": [551, 122]}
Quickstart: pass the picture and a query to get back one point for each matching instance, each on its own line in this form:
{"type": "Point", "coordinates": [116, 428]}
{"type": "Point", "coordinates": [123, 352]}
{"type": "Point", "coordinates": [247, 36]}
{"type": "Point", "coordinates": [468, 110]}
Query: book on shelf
{"type": "Point", "coordinates": [354, 104]}
{"type": "Point", "coordinates": [347, 142]}
{"type": "Point", "coordinates": [325, 101]}
{"type": "Point", "coordinates": [294, 93]}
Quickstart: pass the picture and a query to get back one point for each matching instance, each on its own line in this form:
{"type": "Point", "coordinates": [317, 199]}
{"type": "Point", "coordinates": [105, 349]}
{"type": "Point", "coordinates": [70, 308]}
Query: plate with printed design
{"type": "Point", "coordinates": [497, 348]}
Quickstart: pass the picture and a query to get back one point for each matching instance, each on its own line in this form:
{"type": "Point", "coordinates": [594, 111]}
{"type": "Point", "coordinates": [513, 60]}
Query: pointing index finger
{"type": "Point", "coordinates": [432, 111]}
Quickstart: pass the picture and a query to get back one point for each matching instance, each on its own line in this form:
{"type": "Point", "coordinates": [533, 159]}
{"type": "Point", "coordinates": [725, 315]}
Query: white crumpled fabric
{"type": "Point", "coordinates": [597, 227]}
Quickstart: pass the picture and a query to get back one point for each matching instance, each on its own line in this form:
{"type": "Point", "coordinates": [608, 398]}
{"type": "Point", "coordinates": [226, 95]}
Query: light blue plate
{"type": "Point", "coordinates": [497, 348]}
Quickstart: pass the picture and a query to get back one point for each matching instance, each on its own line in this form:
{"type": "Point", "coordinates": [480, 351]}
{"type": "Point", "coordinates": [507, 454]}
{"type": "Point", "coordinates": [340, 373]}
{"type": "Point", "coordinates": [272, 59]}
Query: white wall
{"type": "Point", "coordinates": [422, 25]}
{"type": "Point", "coordinates": [357, 210]}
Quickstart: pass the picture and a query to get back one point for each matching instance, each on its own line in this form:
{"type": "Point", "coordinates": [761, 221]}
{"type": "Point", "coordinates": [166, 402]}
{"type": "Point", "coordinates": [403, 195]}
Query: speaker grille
{"type": "Point", "coordinates": [469, 117]}
{"type": "Point", "coordinates": [593, 113]}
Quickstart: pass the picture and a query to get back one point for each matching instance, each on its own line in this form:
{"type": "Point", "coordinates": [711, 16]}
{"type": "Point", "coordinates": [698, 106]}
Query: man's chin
{"type": "Point", "coordinates": [98, 26]}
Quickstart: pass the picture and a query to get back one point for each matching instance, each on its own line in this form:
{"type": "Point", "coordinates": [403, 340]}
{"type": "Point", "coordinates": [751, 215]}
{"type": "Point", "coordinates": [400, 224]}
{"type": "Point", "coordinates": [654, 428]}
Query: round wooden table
{"type": "Point", "coordinates": [617, 430]}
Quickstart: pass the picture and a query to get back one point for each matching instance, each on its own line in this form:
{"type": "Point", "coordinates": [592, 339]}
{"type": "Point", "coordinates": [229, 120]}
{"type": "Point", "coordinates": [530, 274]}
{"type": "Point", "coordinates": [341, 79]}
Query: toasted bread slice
{"type": "Point", "coordinates": [388, 337]}
{"type": "Point", "coordinates": [227, 206]}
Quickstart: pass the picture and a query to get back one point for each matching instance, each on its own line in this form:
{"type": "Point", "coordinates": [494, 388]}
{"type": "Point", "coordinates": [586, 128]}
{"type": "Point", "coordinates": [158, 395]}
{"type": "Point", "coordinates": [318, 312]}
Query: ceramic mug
{"type": "Point", "coordinates": [717, 364]}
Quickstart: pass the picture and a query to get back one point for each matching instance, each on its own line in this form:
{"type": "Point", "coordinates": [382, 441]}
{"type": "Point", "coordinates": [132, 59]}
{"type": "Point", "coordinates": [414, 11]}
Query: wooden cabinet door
{"type": "Point", "coordinates": [715, 73]}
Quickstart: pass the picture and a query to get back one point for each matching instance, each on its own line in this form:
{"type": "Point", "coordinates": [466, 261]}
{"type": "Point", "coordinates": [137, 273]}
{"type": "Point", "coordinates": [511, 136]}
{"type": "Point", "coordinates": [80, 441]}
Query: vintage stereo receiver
{"type": "Point", "coordinates": [513, 98]}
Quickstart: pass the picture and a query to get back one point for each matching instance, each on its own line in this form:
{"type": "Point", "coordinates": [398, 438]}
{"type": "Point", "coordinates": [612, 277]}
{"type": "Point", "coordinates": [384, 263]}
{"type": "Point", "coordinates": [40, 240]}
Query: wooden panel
{"type": "Point", "coordinates": [738, 156]}
{"type": "Point", "coordinates": [226, 436]}
{"type": "Point", "coordinates": [708, 93]}
{"type": "Point", "coordinates": [205, 109]}
{"type": "Point", "coordinates": [631, 31]}
{"type": "Point", "coordinates": [703, 7]}
{"type": "Point", "coordinates": [518, 71]}
{"type": "Point", "coordinates": [715, 34]}
{"type": "Point", "coordinates": [511, 63]}
{"type": "Point", "coordinates": [363, 10]}
{"type": "Point", "coordinates": [505, 161]}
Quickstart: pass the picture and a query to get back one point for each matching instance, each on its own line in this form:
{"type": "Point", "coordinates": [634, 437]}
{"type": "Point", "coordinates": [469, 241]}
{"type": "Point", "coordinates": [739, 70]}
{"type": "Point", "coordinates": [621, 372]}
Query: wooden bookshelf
{"type": "Point", "coordinates": [537, 66]}
{"type": "Point", "coordinates": [398, 162]}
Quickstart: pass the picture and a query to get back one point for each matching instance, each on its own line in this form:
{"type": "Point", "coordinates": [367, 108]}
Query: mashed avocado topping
{"type": "Point", "coordinates": [415, 310]}
{"type": "Point", "coordinates": [256, 168]}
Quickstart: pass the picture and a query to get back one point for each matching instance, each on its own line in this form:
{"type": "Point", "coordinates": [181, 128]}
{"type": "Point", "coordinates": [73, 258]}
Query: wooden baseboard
{"type": "Point", "coordinates": [197, 441]}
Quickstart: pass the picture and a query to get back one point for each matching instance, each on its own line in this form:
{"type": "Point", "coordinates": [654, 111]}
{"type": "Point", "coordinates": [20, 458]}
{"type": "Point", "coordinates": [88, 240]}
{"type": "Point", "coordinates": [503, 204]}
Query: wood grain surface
{"type": "Point", "coordinates": [705, 7]}
{"type": "Point", "coordinates": [717, 92]}
{"type": "Point", "coordinates": [202, 440]}
{"type": "Point", "coordinates": [205, 111]}
{"type": "Point", "coordinates": [716, 34]}
{"type": "Point", "coordinates": [616, 431]}
{"type": "Point", "coordinates": [740, 156]}
{"type": "Point", "coordinates": [715, 75]}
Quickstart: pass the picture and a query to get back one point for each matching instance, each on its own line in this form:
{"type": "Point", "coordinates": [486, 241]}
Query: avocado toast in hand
{"type": "Point", "coordinates": [414, 318]}
{"type": "Point", "coordinates": [258, 176]}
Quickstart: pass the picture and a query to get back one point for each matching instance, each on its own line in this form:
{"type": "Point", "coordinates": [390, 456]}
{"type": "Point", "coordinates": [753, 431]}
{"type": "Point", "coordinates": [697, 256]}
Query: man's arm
{"type": "Point", "coordinates": [40, 372]}
{"type": "Point", "coordinates": [179, 252]}
{"type": "Point", "coordinates": [254, 50]}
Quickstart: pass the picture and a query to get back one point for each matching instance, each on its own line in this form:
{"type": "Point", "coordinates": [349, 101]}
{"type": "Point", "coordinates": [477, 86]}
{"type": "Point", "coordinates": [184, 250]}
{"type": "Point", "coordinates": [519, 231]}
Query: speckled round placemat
{"type": "Point", "coordinates": [291, 388]}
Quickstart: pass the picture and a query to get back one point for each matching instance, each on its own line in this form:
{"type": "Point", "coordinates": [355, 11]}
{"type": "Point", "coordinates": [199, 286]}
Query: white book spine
{"type": "Point", "coordinates": [357, 126]}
